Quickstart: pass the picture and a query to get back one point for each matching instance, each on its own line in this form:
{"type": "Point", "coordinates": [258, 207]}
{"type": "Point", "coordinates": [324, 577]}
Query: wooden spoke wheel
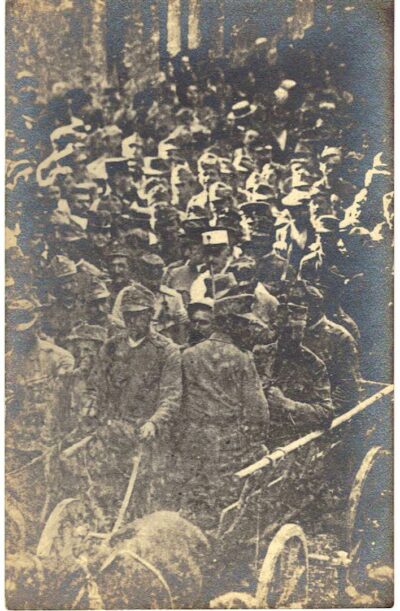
{"type": "Point", "coordinates": [65, 529]}
{"type": "Point", "coordinates": [369, 516]}
{"type": "Point", "coordinates": [283, 579]}
{"type": "Point", "coordinates": [15, 528]}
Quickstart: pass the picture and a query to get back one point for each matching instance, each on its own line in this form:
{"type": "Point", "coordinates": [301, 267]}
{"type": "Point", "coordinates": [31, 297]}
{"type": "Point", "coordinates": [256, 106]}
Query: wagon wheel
{"type": "Point", "coordinates": [370, 515]}
{"type": "Point", "coordinates": [15, 528]}
{"type": "Point", "coordinates": [283, 580]}
{"type": "Point", "coordinates": [64, 531]}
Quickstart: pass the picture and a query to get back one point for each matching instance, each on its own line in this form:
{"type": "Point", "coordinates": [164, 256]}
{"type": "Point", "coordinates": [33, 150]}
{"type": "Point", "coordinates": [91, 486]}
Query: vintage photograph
{"type": "Point", "coordinates": [199, 304]}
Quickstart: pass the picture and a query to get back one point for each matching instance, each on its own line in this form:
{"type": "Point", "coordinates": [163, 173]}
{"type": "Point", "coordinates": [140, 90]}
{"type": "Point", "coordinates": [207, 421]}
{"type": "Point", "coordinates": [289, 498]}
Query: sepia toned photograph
{"type": "Point", "coordinates": [199, 219]}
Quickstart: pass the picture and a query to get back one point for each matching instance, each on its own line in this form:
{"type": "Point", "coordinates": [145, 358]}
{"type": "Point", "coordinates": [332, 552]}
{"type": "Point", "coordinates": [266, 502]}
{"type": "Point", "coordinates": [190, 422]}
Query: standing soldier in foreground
{"type": "Point", "coordinates": [139, 398]}
{"type": "Point", "coordinates": [225, 415]}
{"type": "Point", "coordinates": [295, 381]}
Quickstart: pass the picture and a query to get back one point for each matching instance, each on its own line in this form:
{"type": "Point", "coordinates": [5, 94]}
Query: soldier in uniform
{"type": "Point", "coordinates": [295, 380]}
{"type": "Point", "coordinates": [139, 387]}
{"type": "Point", "coordinates": [201, 320]}
{"type": "Point", "coordinates": [85, 342]}
{"type": "Point", "coordinates": [170, 316]}
{"type": "Point", "coordinates": [336, 347]}
{"type": "Point", "coordinates": [97, 308]}
{"type": "Point", "coordinates": [64, 310]}
{"type": "Point", "coordinates": [35, 368]}
{"type": "Point", "coordinates": [325, 253]}
{"type": "Point", "coordinates": [37, 376]}
{"type": "Point", "coordinates": [225, 416]}
{"type": "Point", "coordinates": [120, 269]}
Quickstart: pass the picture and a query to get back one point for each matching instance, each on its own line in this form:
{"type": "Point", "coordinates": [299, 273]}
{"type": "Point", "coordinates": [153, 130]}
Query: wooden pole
{"type": "Point", "coordinates": [270, 459]}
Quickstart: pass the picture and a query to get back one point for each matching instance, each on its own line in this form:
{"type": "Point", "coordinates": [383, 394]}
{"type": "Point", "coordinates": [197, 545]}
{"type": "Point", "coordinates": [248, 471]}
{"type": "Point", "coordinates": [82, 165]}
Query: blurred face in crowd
{"type": "Point", "coordinates": [85, 352]}
{"type": "Point", "coordinates": [218, 258]}
{"type": "Point", "coordinates": [195, 254]}
{"type": "Point", "coordinates": [138, 323]}
{"type": "Point", "coordinates": [119, 270]}
{"type": "Point", "coordinates": [80, 203]}
{"type": "Point", "coordinates": [53, 194]}
{"type": "Point", "coordinates": [208, 175]}
{"type": "Point", "coordinates": [192, 95]}
{"type": "Point", "coordinates": [291, 330]}
{"type": "Point", "coordinates": [98, 310]}
{"type": "Point", "coordinates": [100, 238]}
{"type": "Point", "coordinates": [201, 324]}
{"type": "Point", "coordinates": [331, 164]}
{"type": "Point", "coordinates": [122, 182]}
{"type": "Point", "coordinates": [300, 215]}
{"type": "Point", "coordinates": [152, 278]}
{"type": "Point", "coordinates": [66, 289]}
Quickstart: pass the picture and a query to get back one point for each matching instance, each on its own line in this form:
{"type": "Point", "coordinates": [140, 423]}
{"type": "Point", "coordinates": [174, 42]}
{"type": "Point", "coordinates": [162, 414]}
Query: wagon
{"type": "Point", "coordinates": [262, 528]}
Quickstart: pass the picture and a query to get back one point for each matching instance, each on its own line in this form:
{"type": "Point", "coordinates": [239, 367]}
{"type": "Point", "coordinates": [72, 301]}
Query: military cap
{"type": "Point", "coordinates": [111, 203]}
{"type": "Point", "coordinates": [165, 147]}
{"type": "Point", "coordinates": [21, 314]}
{"type": "Point", "coordinates": [243, 268]}
{"type": "Point", "coordinates": [241, 110]}
{"type": "Point", "coordinates": [85, 331]}
{"type": "Point", "coordinates": [330, 151]}
{"type": "Point", "coordinates": [158, 194]}
{"type": "Point", "coordinates": [223, 284]}
{"type": "Point", "coordinates": [150, 183]}
{"type": "Point", "coordinates": [219, 191]}
{"type": "Point", "coordinates": [111, 130]}
{"type": "Point", "coordinates": [327, 223]}
{"type": "Point", "coordinates": [243, 163]}
{"type": "Point", "coordinates": [70, 232]}
{"type": "Point", "coordinates": [215, 237]}
{"type": "Point", "coordinates": [150, 262]}
{"type": "Point", "coordinates": [226, 166]}
{"type": "Point", "coordinates": [296, 198]}
{"type": "Point", "coordinates": [137, 298]}
{"type": "Point", "coordinates": [292, 310]}
{"type": "Point", "coordinates": [200, 304]}
{"type": "Point", "coordinates": [137, 236]}
{"type": "Point", "coordinates": [255, 208]}
{"type": "Point", "coordinates": [116, 164]}
{"type": "Point", "coordinates": [61, 267]}
{"type": "Point", "coordinates": [119, 251]}
{"type": "Point", "coordinates": [155, 166]}
{"type": "Point", "coordinates": [207, 159]}
{"type": "Point", "coordinates": [264, 192]}
{"type": "Point", "coordinates": [97, 290]}
{"type": "Point", "coordinates": [194, 225]}
{"type": "Point", "coordinates": [84, 187]}
{"type": "Point", "coordinates": [236, 304]}
{"type": "Point", "coordinates": [24, 77]}
{"type": "Point", "coordinates": [129, 144]}
{"type": "Point", "coordinates": [99, 220]}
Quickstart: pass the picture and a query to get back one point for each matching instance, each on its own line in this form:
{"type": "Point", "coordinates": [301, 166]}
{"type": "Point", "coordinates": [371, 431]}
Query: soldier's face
{"type": "Point", "coordinates": [201, 325]}
{"type": "Point", "coordinates": [101, 238]}
{"type": "Point", "coordinates": [219, 259]}
{"type": "Point", "coordinates": [292, 331]}
{"type": "Point", "coordinates": [98, 310]}
{"type": "Point", "coordinates": [119, 269]}
{"type": "Point", "coordinates": [138, 323]}
{"type": "Point", "coordinates": [85, 352]}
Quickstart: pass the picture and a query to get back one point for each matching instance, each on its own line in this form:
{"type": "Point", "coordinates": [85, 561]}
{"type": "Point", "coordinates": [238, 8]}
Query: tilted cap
{"type": "Point", "coordinates": [327, 223]}
{"type": "Point", "coordinates": [216, 237]}
{"type": "Point", "coordinates": [137, 298]}
{"type": "Point", "coordinates": [237, 304]}
{"type": "Point", "coordinates": [21, 314]}
{"type": "Point", "coordinates": [200, 304]}
{"type": "Point", "coordinates": [60, 267]}
{"type": "Point", "coordinates": [88, 332]}
{"type": "Point", "coordinates": [292, 310]}
{"type": "Point", "coordinates": [97, 290]}
{"type": "Point", "coordinates": [150, 262]}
